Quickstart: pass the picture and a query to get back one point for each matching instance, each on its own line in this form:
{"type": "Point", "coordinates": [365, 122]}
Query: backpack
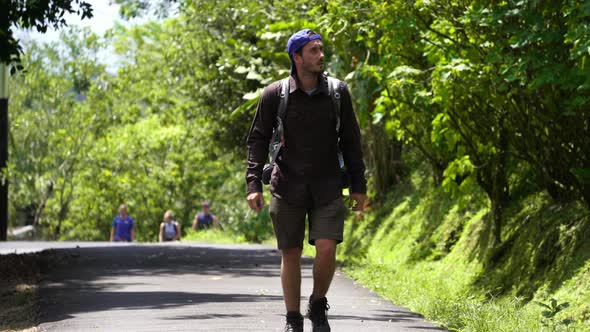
{"type": "Point", "coordinates": [174, 225]}
{"type": "Point", "coordinates": [278, 137]}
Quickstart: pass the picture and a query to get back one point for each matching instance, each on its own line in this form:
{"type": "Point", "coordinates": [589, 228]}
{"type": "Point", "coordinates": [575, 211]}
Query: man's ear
{"type": "Point", "coordinates": [296, 58]}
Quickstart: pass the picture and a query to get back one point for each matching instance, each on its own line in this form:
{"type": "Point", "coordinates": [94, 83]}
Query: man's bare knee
{"type": "Point", "coordinates": [325, 247]}
{"type": "Point", "coordinates": [292, 254]}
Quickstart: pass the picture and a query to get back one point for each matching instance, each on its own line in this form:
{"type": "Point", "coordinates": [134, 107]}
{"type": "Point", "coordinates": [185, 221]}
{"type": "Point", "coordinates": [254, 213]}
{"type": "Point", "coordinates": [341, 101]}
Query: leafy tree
{"type": "Point", "coordinates": [371, 51]}
{"type": "Point", "coordinates": [486, 93]}
{"type": "Point", "coordinates": [50, 131]}
{"type": "Point", "coordinates": [481, 90]}
{"type": "Point", "coordinates": [34, 14]}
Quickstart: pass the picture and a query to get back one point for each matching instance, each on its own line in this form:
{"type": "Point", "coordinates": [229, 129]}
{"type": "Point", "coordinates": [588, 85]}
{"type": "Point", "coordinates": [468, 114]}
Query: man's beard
{"type": "Point", "coordinates": [317, 68]}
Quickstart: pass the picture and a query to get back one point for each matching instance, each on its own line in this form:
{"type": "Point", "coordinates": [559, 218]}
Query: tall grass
{"type": "Point", "coordinates": [427, 251]}
{"type": "Point", "coordinates": [213, 235]}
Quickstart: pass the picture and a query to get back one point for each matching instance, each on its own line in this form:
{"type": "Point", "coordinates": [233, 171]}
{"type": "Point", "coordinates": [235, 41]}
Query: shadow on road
{"type": "Point", "coordinates": [387, 316]}
{"type": "Point", "coordinates": [193, 287]}
{"type": "Point", "coordinates": [86, 280]}
{"type": "Point", "coordinates": [106, 301]}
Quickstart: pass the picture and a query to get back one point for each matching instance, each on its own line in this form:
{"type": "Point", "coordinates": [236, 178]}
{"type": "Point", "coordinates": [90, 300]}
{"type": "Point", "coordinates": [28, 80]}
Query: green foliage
{"type": "Point", "coordinates": [137, 8]}
{"type": "Point", "coordinates": [459, 82]}
{"type": "Point", "coordinates": [475, 132]}
{"type": "Point", "coordinates": [145, 137]}
{"type": "Point", "coordinates": [50, 131]}
{"type": "Point", "coordinates": [256, 227]}
{"type": "Point", "coordinates": [212, 236]}
{"type": "Point", "coordinates": [500, 84]}
{"type": "Point", "coordinates": [34, 14]}
{"type": "Point", "coordinates": [551, 310]}
{"type": "Point", "coordinates": [428, 251]}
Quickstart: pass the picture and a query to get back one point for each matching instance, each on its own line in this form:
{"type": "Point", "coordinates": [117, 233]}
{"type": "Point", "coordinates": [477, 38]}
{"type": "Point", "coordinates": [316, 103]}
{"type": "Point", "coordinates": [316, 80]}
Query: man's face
{"type": "Point", "coordinates": [312, 57]}
{"type": "Point", "coordinates": [123, 211]}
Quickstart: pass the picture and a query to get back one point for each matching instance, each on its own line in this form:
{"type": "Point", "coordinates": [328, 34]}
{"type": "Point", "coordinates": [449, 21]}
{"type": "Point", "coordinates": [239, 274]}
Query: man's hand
{"type": "Point", "coordinates": [358, 201]}
{"type": "Point", "coordinates": [256, 201]}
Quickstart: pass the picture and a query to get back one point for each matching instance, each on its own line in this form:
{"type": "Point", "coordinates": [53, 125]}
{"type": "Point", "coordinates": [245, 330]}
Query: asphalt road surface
{"type": "Point", "coordinates": [191, 287]}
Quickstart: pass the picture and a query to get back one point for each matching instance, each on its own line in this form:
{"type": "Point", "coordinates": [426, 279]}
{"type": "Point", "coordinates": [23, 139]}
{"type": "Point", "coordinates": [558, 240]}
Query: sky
{"type": "Point", "coordinates": [104, 17]}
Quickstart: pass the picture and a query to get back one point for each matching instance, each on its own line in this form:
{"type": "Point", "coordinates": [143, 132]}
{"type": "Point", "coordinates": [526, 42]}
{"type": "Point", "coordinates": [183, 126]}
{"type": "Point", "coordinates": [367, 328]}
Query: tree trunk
{"type": "Point", "coordinates": [493, 179]}
{"type": "Point", "coordinates": [586, 194]}
{"type": "Point", "coordinates": [499, 188]}
{"type": "Point", "coordinates": [438, 170]}
{"type": "Point", "coordinates": [61, 216]}
{"type": "Point", "coordinates": [3, 160]}
{"type": "Point", "coordinates": [41, 206]}
{"type": "Point", "coordinates": [384, 158]}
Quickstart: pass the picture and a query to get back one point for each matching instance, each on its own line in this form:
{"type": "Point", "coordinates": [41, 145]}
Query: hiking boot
{"type": "Point", "coordinates": [294, 324]}
{"type": "Point", "coordinates": [317, 312]}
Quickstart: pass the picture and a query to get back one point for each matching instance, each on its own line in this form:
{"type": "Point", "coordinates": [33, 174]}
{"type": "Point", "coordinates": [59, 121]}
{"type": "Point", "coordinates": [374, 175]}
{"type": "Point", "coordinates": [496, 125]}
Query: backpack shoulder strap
{"type": "Point", "coordinates": [278, 136]}
{"type": "Point", "coordinates": [334, 91]}
{"type": "Point", "coordinates": [282, 111]}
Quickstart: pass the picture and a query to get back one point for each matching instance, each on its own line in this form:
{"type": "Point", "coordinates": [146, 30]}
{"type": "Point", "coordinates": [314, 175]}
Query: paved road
{"type": "Point", "coordinates": [190, 287]}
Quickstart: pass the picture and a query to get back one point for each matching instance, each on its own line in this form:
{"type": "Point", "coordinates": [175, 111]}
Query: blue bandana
{"type": "Point", "coordinates": [297, 41]}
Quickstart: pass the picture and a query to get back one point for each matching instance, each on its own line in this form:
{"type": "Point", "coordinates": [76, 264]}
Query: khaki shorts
{"type": "Point", "coordinates": [325, 222]}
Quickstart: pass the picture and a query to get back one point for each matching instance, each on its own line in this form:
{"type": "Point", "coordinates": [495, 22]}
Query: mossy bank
{"type": "Point", "coordinates": [432, 253]}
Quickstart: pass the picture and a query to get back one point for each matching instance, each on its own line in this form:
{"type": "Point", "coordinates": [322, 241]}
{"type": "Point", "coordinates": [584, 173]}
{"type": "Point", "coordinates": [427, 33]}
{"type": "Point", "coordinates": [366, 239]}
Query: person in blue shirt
{"type": "Point", "coordinates": [123, 226]}
{"type": "Point", "coordinates": [204, 219]}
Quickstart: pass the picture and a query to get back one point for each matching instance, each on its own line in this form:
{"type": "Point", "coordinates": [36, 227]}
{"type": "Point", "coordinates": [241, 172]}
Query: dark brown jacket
{"type": "Point", "coordinates": [307, 169]}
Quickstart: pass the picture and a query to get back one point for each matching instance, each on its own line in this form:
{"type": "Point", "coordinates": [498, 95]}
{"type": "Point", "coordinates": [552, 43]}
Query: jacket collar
{"type": "Point", "coordinates": [322, 83]}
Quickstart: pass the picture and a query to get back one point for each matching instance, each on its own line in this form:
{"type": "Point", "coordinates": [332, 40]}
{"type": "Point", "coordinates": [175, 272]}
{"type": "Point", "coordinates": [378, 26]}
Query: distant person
{"type": "Point", "coordinates": [123, 226]}
{"type": "Point", "coordinates": [204, 219]}
{"type": "Point", "coordinates": [169, 229]}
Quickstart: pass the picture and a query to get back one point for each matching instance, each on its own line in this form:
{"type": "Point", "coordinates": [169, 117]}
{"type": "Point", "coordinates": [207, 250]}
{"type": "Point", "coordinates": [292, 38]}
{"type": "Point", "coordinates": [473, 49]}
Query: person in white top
{"type": "Point", "coordinates": [169, 229]}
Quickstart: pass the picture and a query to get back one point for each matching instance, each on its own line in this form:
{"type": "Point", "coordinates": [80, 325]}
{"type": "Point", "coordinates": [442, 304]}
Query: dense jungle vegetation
{"type": "Point", "coordinates": [475, 124]}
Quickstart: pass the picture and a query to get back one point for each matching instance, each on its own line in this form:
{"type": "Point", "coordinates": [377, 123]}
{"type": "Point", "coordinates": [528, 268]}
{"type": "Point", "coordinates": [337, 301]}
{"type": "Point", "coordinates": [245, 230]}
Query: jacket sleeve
{"type": "Point", "coordinates": [350, 143]}
{"type": "Point", "coordinates": [259, 137]}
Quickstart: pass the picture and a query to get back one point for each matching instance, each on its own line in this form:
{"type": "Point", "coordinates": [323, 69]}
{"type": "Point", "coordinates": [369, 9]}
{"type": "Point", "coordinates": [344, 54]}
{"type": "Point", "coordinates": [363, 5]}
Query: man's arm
{"type": "Point", "coordinates": [132, 230]}
{"type": "Point", "coordinates": [113, 229]}
{"type": "Point", "coordinates": [195, 222]}
{"type": "Point", "coordinates": [214, 220]}
{"type": "Point", "coordinates": [350, 145]}
{"type": "Point", "coordinates": [258, 139]}
{"type": "Point", "coordinates": [161, 235]}
{"type": "Point", "coordinates": [178, 232]}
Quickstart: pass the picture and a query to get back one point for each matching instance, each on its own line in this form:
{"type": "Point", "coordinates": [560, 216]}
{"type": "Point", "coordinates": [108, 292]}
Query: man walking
{"type": "Point", "coordinates": [306, 180]}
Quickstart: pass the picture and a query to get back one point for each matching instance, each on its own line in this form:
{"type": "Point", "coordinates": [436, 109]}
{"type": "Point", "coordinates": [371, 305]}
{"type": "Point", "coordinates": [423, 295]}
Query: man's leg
{"type": "Point", "coordinates": [326, 231]}
{"type": "Point", "coordinates": [289, 226]}
{"type": "Point", "coordinates": [323, 271]}
{"type": "Point", "coordinates": [323, 267]}
{"type": "Point", "coordinates": [291, 278]}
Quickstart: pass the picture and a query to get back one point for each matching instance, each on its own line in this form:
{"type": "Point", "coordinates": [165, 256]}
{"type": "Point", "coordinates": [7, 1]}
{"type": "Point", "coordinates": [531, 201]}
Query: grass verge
{"type": "Point", "coordinates": [213, 235]}
{"type": "Point", "coordinates": [429, 252]}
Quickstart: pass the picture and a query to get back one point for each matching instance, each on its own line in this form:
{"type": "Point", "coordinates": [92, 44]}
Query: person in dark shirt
{"type": "Point", "coordinates": [306, 180]}
{"type": "Point", "coordinates": [123, 228]}
{"type": "Point", "coordinates": [204, 219]}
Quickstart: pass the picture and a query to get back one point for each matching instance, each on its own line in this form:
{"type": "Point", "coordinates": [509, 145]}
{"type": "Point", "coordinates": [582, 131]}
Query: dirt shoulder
{"type": "Point", "coordinates": [19, 302]}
